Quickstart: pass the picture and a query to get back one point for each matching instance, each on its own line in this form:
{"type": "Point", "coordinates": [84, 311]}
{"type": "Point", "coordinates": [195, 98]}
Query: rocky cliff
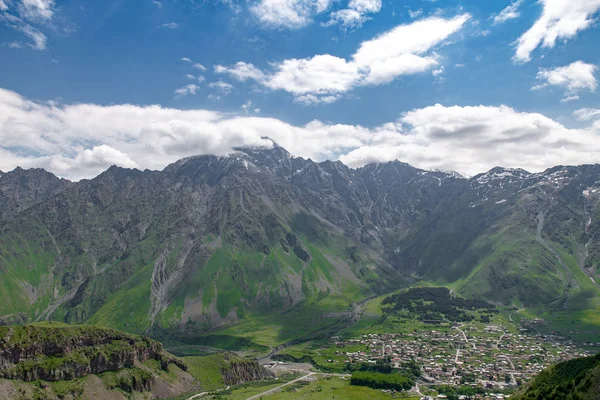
{"type": "Point", "coordinates": [52, 353]}
{"type": "Point", "coordinates": [239, 371]}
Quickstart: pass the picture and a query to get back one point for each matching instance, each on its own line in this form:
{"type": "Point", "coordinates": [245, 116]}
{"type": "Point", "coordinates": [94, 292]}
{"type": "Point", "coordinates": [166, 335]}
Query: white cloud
{"type": "Point", "coordinates": [223, 87]}
{"type": "Point", "coordinates": [415, 38]}
{"type": "Point", "coordinates": [199, 66]}
{"type": "Point", "coordinates": [291, 14]}
{"type": "Point", "coordinates": [198, 78]}
{"type": "Point", "coordinates": [403, 50]}
{"type": "Point", "coordinates": [157, 3]}
{"type": "Point", "coordinates": [242, 71]}
{"type": "Point", "coordinates": [38, 39]}
{"type": "Point", "coordinates": [320, 74]}
{"type": "Point", "coordinates": [415, 13]}
{"type": "Point", "coordinates": [508, 13]}
{"type": "Point", "coordinates": [560, 19]}
{"type": "Point", "coordinates": [356, 14]}
{"type": "Point", "coordinates": [586, 114]}
{"type": "Point", "coordinates": [313, 100]}
{"type": "Point", "coordinates": [574, 78]}
{"type": "Point", "coordinates": [484, 32]}
{"type": "Point", "coordinates": [475, 139]}
{"type": "Point", "coordinates": [185, 59]}
{"type": "Point", "coordinates": [35, 10]}
{"type": "Point", "coordinates": [569, 98]}
{"type": "Point", "coordinates": [437, 72]}
{"type": "Point", "coordinates": [249, 108]}
{"type": "Point", "coordinates": [169, 25]}
{"type": "Point", "coordinates": [90, 162]}
{"type": "Point", "coordinates": [190, 89]}
{"type": "Point", "coordinates": [3, 6]}
{"type": "Point", "coordinates": [81, 140]}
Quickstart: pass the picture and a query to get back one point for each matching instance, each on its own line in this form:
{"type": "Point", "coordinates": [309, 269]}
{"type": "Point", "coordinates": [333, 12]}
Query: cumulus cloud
{"type": "Point", "coordinates": [560, 20]}
{"type": "Point", "coordinates": [89, 162]}
{"type": "Point", "coordinates": [80, 140]}
{"type": "Point", "coordinates": [508, 13]}
{"type": "Point", "coordinates": [474, 139]}
{"type": "Point", "coordinates": [574, 78]}
{"type": "Point", "coordinates": [223, 87]}
{"type": "Point", "coordinates": [242, 71]}
{"type": "Point", "coordinates": [586, 114]}
{"type": "Point", "coordinates": [290, 14]}
{"type": "Point", "coordinates": [190, 89]}
{"type": "Point", "coordinates": [404, 50]}
{"type": "Point", "coordinates": [356, 14]}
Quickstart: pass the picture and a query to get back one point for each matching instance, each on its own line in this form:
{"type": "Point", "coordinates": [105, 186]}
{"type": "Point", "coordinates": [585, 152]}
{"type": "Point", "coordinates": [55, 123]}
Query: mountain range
{"type": "Point", "coordinates": [210, 242]}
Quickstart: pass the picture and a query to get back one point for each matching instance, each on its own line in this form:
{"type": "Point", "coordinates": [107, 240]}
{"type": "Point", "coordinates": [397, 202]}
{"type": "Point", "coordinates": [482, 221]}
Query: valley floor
{"type": "Point", "coordinates": [483, 358]}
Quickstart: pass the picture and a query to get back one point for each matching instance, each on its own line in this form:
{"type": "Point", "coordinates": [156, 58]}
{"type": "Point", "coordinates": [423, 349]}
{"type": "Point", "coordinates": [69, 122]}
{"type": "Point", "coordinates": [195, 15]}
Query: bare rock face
{"type": "Point", "coordinates": [242, 371]}
{"type": "Point", "coordinates": [21, 189]}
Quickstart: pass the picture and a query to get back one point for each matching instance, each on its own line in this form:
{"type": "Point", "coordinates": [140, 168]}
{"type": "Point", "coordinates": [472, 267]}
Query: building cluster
{"type": "Point", "coordinates": [488, 357]}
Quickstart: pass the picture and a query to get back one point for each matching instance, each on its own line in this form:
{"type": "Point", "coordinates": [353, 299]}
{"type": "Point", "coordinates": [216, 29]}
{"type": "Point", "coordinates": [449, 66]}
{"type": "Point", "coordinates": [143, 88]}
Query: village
{"type": "Point", "coordinates": [467, 355]}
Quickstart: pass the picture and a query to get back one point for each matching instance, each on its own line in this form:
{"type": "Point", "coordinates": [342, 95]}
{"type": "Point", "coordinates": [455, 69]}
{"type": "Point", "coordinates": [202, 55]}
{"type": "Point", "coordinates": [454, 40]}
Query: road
{"type": "Point", "coordinates": [197, 396]}
{"type": "Point", "coordinates": [418, 390]}
{"type": "Point", "coordinates": [499, 340]}
{"type": "Point", "coordinates": [466, 339]}
{"type": "Point", "coordinates": [455, 361]}
{"type": "Point", "coordinates": [512, 375]}
{"type": "Point", "coordinates": [278, 388]}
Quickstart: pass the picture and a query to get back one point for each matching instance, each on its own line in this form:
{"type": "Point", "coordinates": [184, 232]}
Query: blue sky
{"type": "Point", "coordinates": [356, 80]}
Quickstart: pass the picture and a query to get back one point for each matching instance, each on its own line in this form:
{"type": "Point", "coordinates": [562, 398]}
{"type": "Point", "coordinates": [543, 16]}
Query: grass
{"type": "Point", "coordinates": [128, 308]}
{"type": "Point", "coordinates": [207, 370]}
{"type": "Point", "coordinates": [321, 389]}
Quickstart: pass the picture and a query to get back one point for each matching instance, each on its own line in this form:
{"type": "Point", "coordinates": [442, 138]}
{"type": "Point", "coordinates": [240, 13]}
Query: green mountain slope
{"type": "Point", "coordinates": [206, 245]}
{"type": "Point", "coordinates": [569, 380]}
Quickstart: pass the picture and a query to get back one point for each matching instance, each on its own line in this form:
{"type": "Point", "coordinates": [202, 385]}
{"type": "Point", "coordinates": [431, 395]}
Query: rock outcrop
{"type": "Point", "coordinates": [53, 353]}
{"type": "Point", "coordinates": [242, 371]}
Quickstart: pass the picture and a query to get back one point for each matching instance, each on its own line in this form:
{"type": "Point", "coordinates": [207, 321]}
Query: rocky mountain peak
{"type": "Point", "coordinates": [23, 188]}
{"type": "Point", "coordinates": [501, 173]}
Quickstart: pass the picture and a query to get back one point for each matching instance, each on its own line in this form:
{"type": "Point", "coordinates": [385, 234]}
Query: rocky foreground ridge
{"type": "Point", "coordinates": [50, 352]}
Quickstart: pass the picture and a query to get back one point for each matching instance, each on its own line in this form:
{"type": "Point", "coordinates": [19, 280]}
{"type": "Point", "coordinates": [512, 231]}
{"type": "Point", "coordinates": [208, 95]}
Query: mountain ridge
{"type": "Point", "coordinates": [221, 239]}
